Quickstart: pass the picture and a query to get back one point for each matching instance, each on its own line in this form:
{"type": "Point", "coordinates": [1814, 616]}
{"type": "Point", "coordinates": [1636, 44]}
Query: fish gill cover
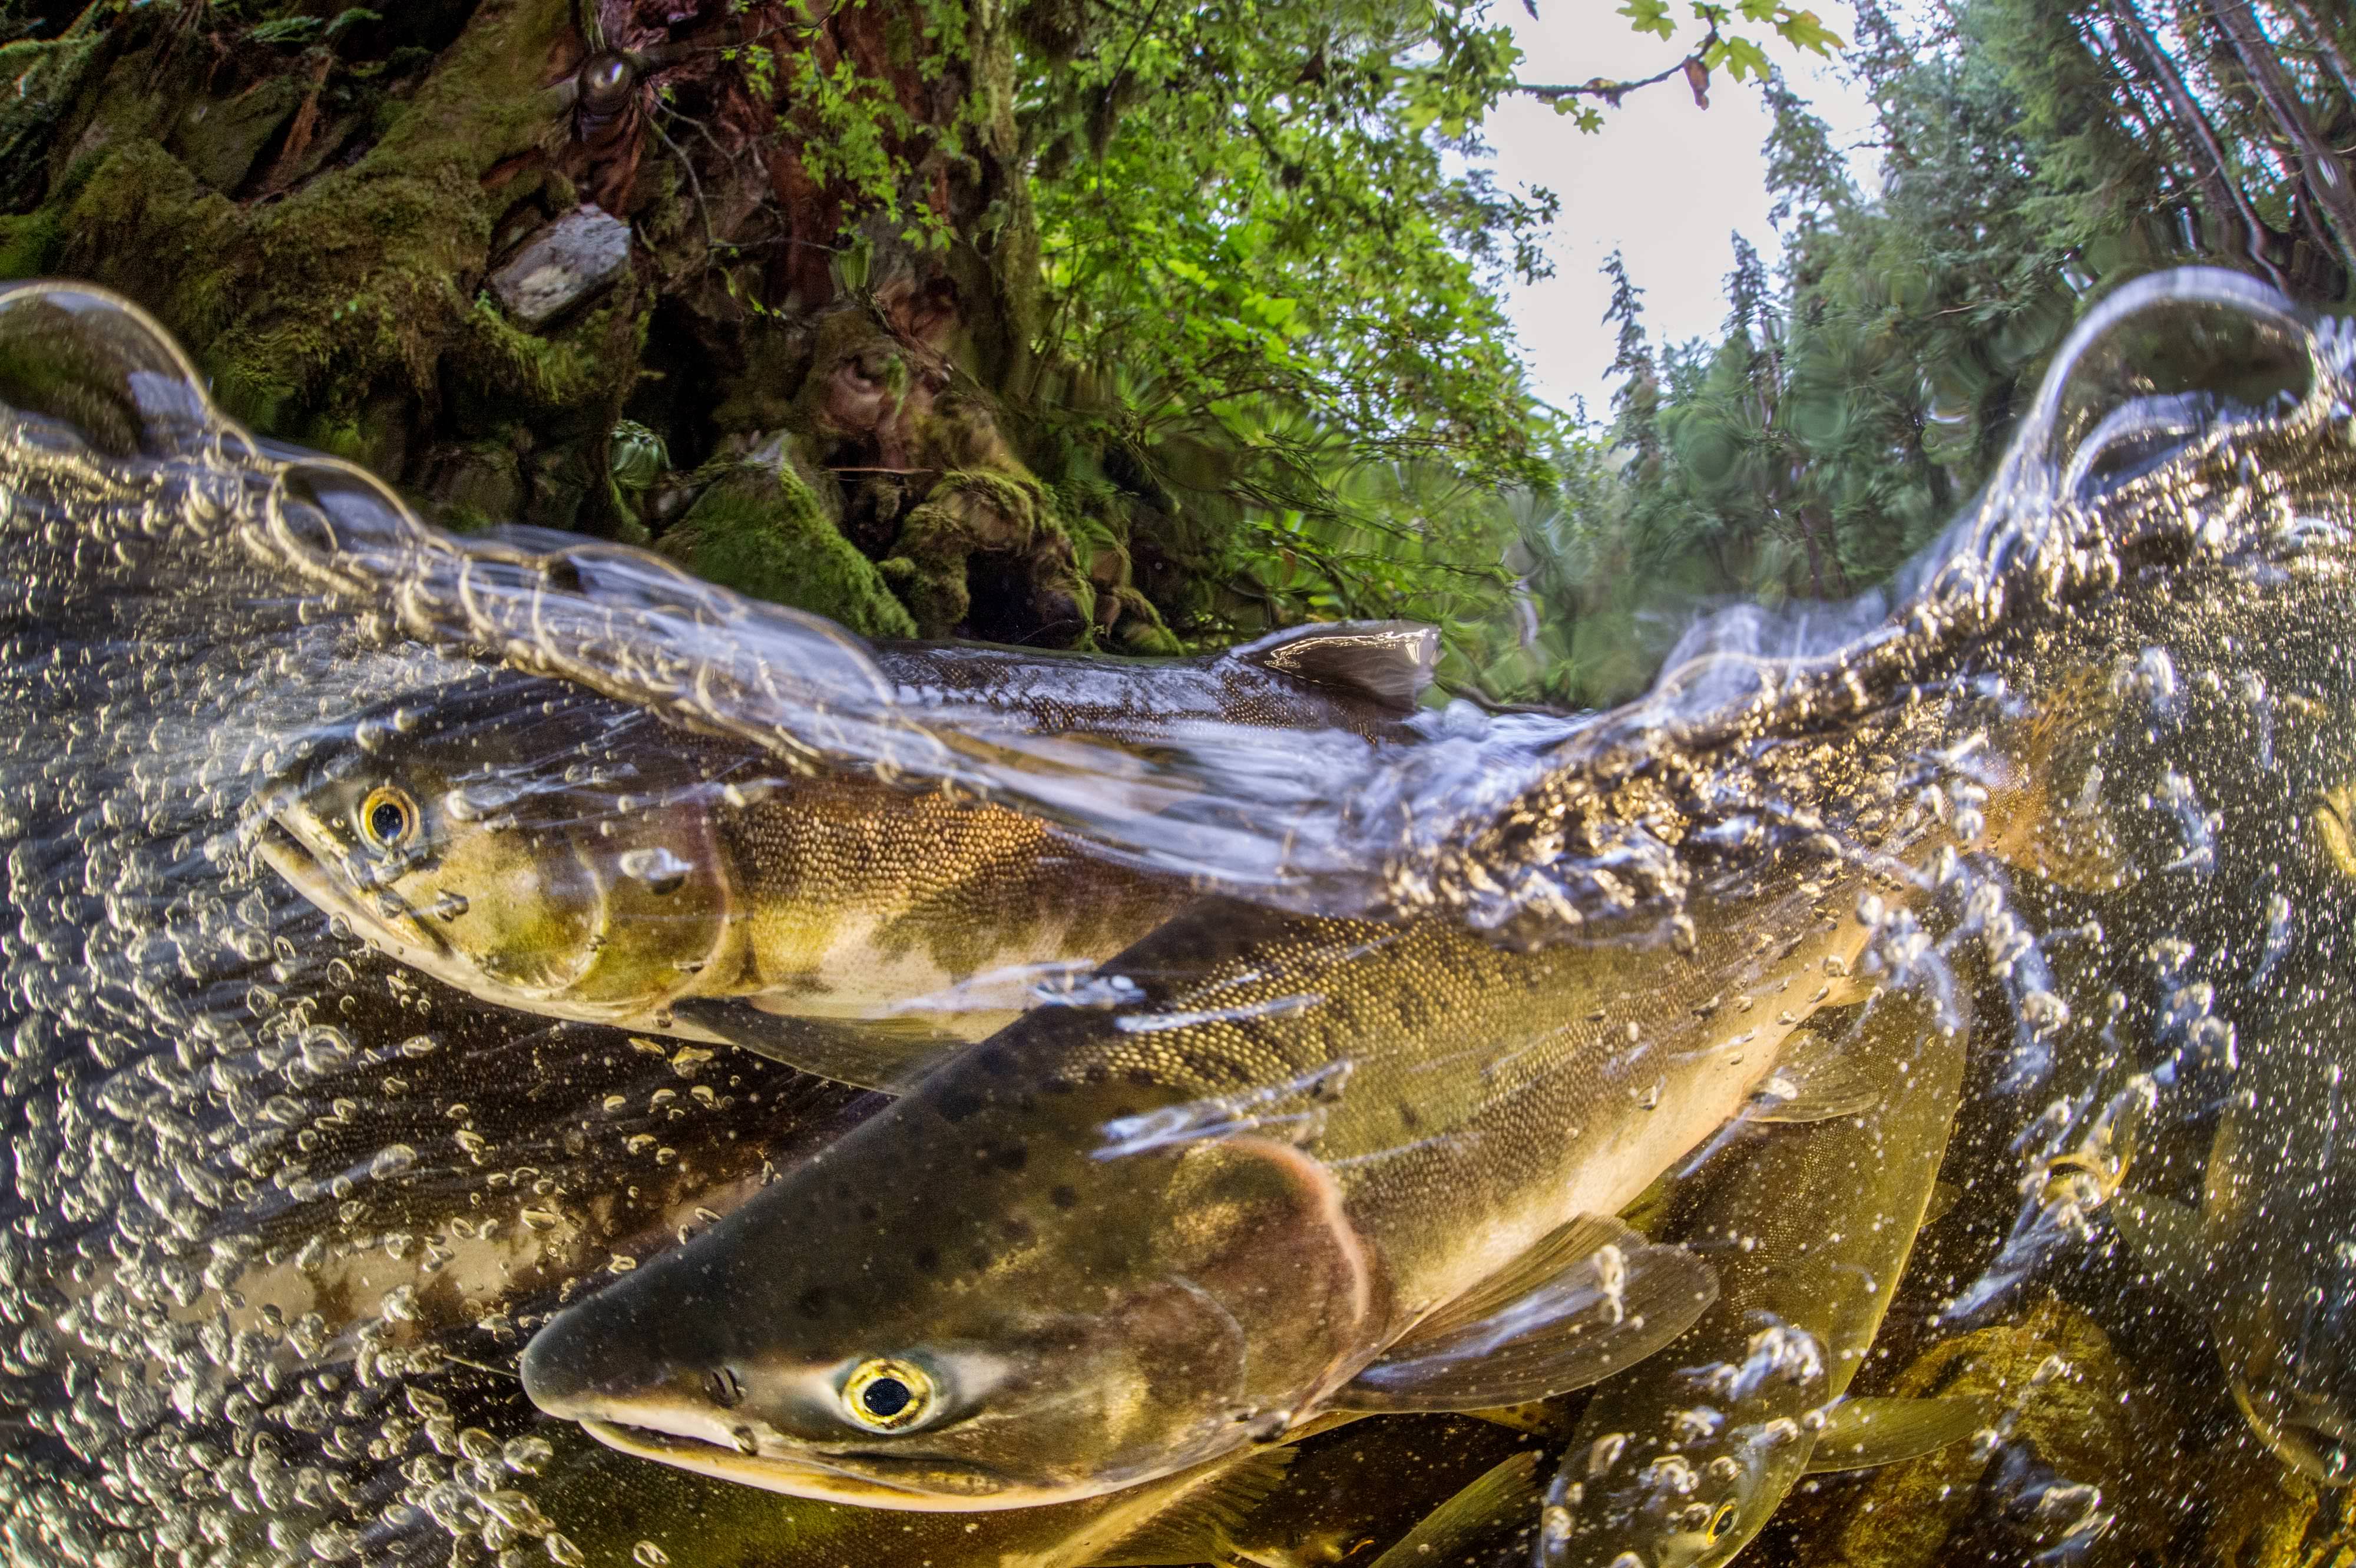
{"type": "Point", "coordinates": [284, 1211]}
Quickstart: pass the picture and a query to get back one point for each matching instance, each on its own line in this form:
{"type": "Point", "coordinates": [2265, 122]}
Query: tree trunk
{"type": "Point", "coordinates": [2198, 138]}
{"type": "Point", "coordinates": [751, 281]}
{"type": "Point", "coordinates": [2322, 170]}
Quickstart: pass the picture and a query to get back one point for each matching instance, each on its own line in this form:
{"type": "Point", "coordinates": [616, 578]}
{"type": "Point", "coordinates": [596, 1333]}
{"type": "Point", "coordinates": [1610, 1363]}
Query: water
{"type": "Point", "coordinates": [284, 1211]}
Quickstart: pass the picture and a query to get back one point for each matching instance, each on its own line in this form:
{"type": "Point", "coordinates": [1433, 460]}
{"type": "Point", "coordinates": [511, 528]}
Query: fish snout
{"type": "Point", "coordinates": [604, 1361]}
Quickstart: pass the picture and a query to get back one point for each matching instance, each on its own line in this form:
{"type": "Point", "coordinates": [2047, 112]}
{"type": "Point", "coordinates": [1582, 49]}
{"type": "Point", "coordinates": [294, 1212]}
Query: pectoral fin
{"type": "Point", "coordinates": [1589, 1300]}
{"type": "Point", "coordinates": [856, 1054]}
{"type": "Point", "coordinates": [2170, 1240]}
{"type": "Point", "coordinates": [1860, 1433]}
{"type": "Point", "coordinates": [1200, 1523]}
{"type": "Point", "coordinates": [1503, 1496]}
{"type": "Point", "coordinates": [1817, 1083]}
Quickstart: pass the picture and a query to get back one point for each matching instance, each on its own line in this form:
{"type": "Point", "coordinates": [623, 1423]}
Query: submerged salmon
{"type": "Point", "coordinates": [1299, 1166]}
{"type": "Point", "coordinates": [1683, 1460]}
{"type": "Point", "coordinates": [2268, 1255]}
{"type": "Point", "coordinates": [556, 851]}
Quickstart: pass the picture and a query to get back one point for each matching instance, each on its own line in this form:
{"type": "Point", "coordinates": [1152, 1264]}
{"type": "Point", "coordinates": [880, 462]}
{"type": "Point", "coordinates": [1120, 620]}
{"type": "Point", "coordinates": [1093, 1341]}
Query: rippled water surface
{"type": "Point", "coordinates": [410, 944]}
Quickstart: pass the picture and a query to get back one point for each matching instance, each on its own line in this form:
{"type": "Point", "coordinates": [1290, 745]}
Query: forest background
{"type": "Point", "coordinates": [1136, 325]}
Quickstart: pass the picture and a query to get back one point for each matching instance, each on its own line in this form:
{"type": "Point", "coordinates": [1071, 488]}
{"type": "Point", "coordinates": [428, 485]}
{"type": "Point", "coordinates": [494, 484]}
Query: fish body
{"type": "Point", "coordinates": [574, 861]}
{"type": "Point", "coordinates": [550, 850]}
{"type": "Point", "coordinates": [2269, 1256]}
{"type": "Point", "coordinates": [1683, 1460]}
{"type": "Point", "coordinates": [1309, 1164]}
{"type": "Point", "coordinates": [1365, 677]}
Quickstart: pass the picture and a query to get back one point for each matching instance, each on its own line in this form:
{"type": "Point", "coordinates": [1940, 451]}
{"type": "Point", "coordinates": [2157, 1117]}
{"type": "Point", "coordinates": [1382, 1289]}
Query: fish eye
{"type": "Point", "coordinates": [388, 819]}
{"type": "Point", "coordinates": [886, 1394]}
{"type": "Point", "coordinates": [727, 1389]}
{"type": "Point", "coordinates": [1722, 1520]}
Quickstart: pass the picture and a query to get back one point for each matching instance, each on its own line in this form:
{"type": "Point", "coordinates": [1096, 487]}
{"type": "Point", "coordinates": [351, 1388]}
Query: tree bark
{"type": "Point", "coordinates": [2213, 173]}
{"type": "Point", "coordinates": [2321, 169]}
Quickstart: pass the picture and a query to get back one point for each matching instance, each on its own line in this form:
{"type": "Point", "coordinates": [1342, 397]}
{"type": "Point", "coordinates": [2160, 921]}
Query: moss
{"type": "Point", "coordinates": [484, 103]}
{"type": "Point", "coordinates": [760, 528]}
{"type": "Point", "coordinates": [140, 222]}
{"type": "Point", "coordinates": [969, 513]}
{"type": "Point", "coordinates": [1139, 628]}
{"type": "Point", "coordinates": [43, 81]}
{"type": "Point", "coordinates": [474, 485]}
{"type": "Point", "coordinates": [306, 309]}
{"type": "Point", "coordinates": [29, 244]}
{"type": "Point", "coordinates": [219, 139]}
{"type": "Point", "coordinates": [765, 395]}
{"type": "Point", "coordinates": [588, 368]}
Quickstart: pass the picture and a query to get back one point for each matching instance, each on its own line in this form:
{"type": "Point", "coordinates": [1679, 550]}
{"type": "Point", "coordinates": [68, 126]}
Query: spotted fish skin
{"type": "Point", "coordinates": [1124, 1240]}
{"type": "Point", "coordinates": [570, 855]}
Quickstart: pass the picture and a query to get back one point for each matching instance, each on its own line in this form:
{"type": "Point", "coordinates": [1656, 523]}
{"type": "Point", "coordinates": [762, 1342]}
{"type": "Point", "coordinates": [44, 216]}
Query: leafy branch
{"type": "Point", "coordinates": [1740, 57]}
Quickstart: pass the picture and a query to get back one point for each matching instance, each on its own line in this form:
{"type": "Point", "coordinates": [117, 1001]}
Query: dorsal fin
{"type": "Point", "coordinates": [1386, 662]}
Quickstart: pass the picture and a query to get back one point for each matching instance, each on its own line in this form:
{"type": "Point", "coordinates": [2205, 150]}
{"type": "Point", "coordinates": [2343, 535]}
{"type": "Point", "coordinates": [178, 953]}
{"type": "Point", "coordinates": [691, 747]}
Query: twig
{"type": "Point", "coordinates": [1695, 72]}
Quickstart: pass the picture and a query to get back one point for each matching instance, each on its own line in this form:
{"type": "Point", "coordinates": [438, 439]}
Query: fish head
{"type": "Point", "coordinates": [512, 853]}
{"type": "Point", "coordinates": [953, 1308]}
{"type": "Point", "coordinates": [1689, 1496]}
{"type": "Point", "coordinates": [1694, 1507]}
{"type": "Point", "coordinates": [2286, 1336]}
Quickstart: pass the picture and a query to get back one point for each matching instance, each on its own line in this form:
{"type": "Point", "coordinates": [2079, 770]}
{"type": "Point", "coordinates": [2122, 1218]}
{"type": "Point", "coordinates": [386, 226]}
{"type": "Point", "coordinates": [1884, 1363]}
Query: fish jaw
{"type": "Point", "coordinates": [294, 848]}
{"type": "Point", "coordinates": [949, 1487]}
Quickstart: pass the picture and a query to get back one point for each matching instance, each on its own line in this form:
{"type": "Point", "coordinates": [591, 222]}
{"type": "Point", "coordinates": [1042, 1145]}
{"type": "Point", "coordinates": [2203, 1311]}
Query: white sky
{"type": "Point", "coordinates": [1663, 181]}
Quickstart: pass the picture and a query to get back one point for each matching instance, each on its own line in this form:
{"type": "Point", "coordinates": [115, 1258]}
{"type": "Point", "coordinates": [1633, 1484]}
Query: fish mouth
{"type": "Point", "coordinates": [298, 856]}
{"type": "Point", "coordinates": [948, 1485]}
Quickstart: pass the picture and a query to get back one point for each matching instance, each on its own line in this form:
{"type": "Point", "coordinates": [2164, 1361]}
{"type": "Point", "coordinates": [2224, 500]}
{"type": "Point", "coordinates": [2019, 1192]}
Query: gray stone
{"type": "Point", "coordinates": [578, 256]}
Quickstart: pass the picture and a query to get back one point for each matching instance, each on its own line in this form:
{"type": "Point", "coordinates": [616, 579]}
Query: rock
{"type": "Point", "coordinates": [575, 258]}
{"type": "Point", "coordinates": [762, 529]}
{"type": "Point", "coordinates": [2081, 1465]}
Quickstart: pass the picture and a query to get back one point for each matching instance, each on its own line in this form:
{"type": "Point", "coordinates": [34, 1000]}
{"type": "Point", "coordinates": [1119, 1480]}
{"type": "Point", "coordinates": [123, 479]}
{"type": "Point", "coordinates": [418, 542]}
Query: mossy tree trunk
{"type": "Point", "coordinates": [756, 281]}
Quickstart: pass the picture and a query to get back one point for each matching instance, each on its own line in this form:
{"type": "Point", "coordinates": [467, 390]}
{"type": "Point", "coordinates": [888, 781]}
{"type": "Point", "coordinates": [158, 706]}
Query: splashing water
{"type": "Point", "coordinates": [283, 1210]}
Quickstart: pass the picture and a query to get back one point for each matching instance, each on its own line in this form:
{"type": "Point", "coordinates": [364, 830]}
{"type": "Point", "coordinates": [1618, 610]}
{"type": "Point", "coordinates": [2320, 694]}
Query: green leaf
{"type": "Point", "coordinates": [286, 30]}
{"type": "Point", "coordinates": [1806, 31]}
{"type": "Point", "coordinates": [1649, 17]}
{"type": "Point", "coordinates": [1745, 60]}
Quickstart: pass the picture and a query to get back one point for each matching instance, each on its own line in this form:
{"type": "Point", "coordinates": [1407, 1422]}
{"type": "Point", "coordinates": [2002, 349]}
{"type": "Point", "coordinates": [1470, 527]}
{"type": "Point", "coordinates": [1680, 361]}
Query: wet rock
{"type": "Point", "coordinates": [2073, 1470]}
{"type": "Point", "coordinates": [220, 139]}
{"type": "Point", "coordinates": [2270, 1516]}
{"type": "Point", "coordinates": [762, 529]}
{"type": "Point", "coordinates": [575, 258]}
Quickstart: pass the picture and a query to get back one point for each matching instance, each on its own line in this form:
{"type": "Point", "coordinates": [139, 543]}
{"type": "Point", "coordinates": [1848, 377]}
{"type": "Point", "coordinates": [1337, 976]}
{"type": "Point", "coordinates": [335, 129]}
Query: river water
{"type": "Point", "coordinates": [284, 1207]}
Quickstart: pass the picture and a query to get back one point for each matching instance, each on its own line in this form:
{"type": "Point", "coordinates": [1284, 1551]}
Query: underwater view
{"type": "Point", "coordinates": [514, 1053]}
{"type": "Point", "coordinates": [1089, 784]}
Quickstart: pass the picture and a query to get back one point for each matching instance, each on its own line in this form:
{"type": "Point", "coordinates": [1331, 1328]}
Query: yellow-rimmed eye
{"type": "Point", "coordinates": [1722, 1520]}
{"type": "Point", "coordinates": [884, 1394]}
{"type": "Point", "coordinates": [388, 819]}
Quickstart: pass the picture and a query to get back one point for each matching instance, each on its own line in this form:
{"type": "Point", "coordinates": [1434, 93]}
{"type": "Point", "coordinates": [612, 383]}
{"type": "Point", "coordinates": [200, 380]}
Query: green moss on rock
{"type": "Point", "coordinates": [220, 139]}
{"type": "Point", "coordinates": [759, 528]}
{"type": "Point", "coordinates": [969, 513]}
